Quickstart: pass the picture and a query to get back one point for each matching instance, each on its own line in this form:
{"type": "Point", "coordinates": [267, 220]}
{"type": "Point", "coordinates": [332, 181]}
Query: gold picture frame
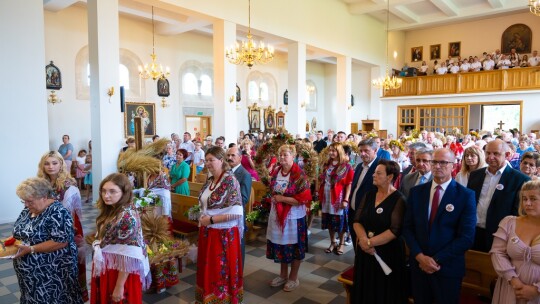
{"type": "Point", "coordinates": [145, 110]}
{"type": "Point", "coordinates": [434, 52]}
{"type": "Point", "coordinates": [417, 53]}
{"type": "Point", "coordinates": [454, 49]}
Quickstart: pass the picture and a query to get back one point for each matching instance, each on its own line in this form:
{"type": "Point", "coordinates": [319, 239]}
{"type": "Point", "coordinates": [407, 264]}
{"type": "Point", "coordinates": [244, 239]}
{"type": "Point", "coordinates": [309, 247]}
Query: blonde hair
{"type": "Point", "coordinates": [342, 157]}
{"type": "Point", "coordinates": [476, 150]}
{"type": "Point", "coordinates": [287, 148]}
{"type": "Point", "coordinates": [63, 175]}
{"type": "Point", "coordinates": [530, 185]}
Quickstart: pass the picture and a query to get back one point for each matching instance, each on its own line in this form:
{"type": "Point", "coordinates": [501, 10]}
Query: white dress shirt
{"type": "Point", "coordinates": [441, 193]}
{"type": "Point", "coordinates": [360, 179]}
{"type": "Point", "coordinates": [488, 188]}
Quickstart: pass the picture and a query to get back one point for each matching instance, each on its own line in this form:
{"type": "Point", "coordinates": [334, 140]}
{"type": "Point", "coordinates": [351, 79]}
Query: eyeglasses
{"type": "Point", "coordinates": [109, 192]}
{"type": "Point", "coordinates": [442, 163]}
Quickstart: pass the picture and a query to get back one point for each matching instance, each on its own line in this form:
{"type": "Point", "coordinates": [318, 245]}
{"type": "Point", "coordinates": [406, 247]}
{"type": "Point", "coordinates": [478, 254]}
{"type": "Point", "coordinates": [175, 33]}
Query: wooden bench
{"type": "Point", "coordinates": [258, 190]}
{"type": "Point", "coordinates": [479, 275]}
{"type": "Point", "coordinates": [195, 188]}
{"type": "Point", "coordinates": [181, 224]}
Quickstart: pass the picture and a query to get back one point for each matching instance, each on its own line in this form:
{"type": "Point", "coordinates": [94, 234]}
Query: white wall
{"type": "Point", "coordinates": [24, 135]}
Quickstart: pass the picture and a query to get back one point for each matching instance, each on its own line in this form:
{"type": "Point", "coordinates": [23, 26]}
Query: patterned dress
{"type": "Point", "coordinates": [287, 228]}
{"type": "Point", "coordinates": [121, 249]}
{"type": "Point", "coordinates": [70, 197]}
{"type": "Point", "coordinates": [47, 277]}
{"type": "Point", "coordinates": [334, 180]}
{"type": "Point", "coordinates": [219, 255]}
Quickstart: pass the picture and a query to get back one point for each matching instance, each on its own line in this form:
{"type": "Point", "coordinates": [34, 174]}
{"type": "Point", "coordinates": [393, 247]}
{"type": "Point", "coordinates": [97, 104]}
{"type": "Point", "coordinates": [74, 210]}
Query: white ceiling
{"type": "Point", "coordinates": [404, 15]}
{"type": "Point", "coordinates": [417, 14]}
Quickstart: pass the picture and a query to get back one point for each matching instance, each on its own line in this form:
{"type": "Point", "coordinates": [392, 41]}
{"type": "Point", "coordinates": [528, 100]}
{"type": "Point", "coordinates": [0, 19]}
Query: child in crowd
{"type": "Point", "coordinates": [88, 178]}
{"type": "Point", "coordinates": [80, 164]}
{"type": "Point", "coordinates": [198, 157]}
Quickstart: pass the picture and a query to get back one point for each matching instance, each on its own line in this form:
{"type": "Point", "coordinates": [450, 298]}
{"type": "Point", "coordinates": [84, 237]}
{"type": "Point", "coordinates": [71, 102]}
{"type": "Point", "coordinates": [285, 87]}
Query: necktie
{"type": "Point", "coordinates": [435, 204]}
{"type": "Point", "coordinates": [422, 180]}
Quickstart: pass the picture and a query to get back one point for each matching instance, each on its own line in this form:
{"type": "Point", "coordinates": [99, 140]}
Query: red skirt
{"type": "Point", "coordinates": [219, 271]}
{"type": "Point", "coordinates": [81, 258]}
{"type": "Point", "coordinates": [102, 288]}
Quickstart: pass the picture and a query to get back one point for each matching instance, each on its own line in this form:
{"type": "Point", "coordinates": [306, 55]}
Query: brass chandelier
{"type": "Point", "coordinates": [534, 7]}
{"type": "Point", "coordinates": [153, 70]}
{"type": "Point", "coordinates": [387, 82]}
{"type": "Point", "coordinates": [247, 52]}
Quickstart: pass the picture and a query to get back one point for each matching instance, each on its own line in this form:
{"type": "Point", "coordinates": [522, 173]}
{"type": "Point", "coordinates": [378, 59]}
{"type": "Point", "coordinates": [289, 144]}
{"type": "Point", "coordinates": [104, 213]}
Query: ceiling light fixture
{"type": "Point", "coordinates": [534, 7]}
{"type": "Point", "coordinates": [247, 52]}
{"type": "Point", "coordinates": [154, 70]}
{"type": "Point", "coordinates": [387, 82]}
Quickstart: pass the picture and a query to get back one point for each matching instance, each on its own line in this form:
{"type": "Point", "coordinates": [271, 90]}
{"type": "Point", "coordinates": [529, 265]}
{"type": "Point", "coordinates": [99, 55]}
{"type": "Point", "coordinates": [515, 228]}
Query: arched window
{"type": "Point", "coordinates": [262, 89]}
{"type": "Point", "coordinates": [206, 85]}
{"type": "Point", "coordinates": [128, 75]}
{"type": "Point", "coordinates": [189, 84]}
{"type": "Point", "coordinates": [311, 96]}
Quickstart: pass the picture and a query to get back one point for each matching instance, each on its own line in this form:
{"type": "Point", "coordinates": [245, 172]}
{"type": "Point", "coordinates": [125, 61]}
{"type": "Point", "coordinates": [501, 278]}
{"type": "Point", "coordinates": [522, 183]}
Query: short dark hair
{"type": "Point", "coordinates": [531, 155]}
{"type": "Point", "coordinates": [391, 167]}
{"type": "Point", "coordinates": [183, 151]}
{"type": "Point", "coordinates": [368, 142]}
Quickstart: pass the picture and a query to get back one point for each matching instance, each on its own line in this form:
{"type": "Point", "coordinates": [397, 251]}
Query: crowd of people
{"type": "Point", "coordinates": [435, 193]}
{"type": "Point", "coordinates": [485, 62]}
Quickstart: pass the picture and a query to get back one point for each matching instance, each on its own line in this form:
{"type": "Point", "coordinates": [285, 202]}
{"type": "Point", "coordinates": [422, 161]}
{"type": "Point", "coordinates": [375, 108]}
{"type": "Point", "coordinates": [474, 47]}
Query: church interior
{"type": "Point", "coordinates": [325, 56]}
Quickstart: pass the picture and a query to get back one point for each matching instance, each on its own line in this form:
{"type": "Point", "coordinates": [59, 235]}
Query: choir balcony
{"type": "Point", "coordinates": [516, 79]}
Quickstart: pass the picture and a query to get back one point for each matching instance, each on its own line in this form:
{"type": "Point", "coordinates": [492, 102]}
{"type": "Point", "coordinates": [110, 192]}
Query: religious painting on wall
{"type": "Point", "coordinates": [254, 118]}
{"type": "Point", "coordinates": [454, 49]}
{"type": "Point", "coordinates": [163, 87]}
{"type": "Point", "coordinates": [416, 53]}
{"type": "Point", "coordinates": [280, 120]}
{"type": "Point", "coordinates": [238, 94]}
{"type": "Point", "coordinates": [147, 112]}
{"type": "Point", "coordinates": [269, 120]}
{"type": "Point", "coordinates": [53, 77]}
{"type": "Point", "coordinates": [434, 52]}
{"type": "Point", "coordinates": [517, 36]}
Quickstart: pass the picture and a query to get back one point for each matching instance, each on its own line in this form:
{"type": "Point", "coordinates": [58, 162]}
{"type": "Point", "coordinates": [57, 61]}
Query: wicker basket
{"type": "Point", "coordinates": [9, 250]}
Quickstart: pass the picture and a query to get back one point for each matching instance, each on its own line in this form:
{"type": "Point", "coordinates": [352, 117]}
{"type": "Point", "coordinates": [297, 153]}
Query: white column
{"type": "Point", "coordinates": [343, 94]}
{"type": "Point", "coordinates": [105, 116]}
{"type": "Point", "coordinates": [25, 132]}
{"type": "Point", "coordinates": [225, 122]}
{"type": "Point", "coordinates": [295, 120]}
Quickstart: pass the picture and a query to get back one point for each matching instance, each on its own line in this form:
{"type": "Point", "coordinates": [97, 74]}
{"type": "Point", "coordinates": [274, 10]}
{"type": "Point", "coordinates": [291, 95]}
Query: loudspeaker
{"type": "Point", "coordinates": [122, 99]}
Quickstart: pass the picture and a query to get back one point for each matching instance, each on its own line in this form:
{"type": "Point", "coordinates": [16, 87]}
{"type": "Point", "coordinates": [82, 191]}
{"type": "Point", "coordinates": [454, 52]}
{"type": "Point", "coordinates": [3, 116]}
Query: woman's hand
{"type": "Point", "coordinates": [278, 198]}
{"type": "Point", "coordinates": [526, 292]}
{"type": "Point", "coordinates": [22, 251]}
{"type": "Point", "coordinates": [204, 220]}
{"type": "Point", "coordinates": [118, 293]}
{"type": "Point", "coordinates": [363, 243]}
{"type": "Point", "coordinates": [344, 204]}
{"type": "Point", "coordinates": [516, 283]}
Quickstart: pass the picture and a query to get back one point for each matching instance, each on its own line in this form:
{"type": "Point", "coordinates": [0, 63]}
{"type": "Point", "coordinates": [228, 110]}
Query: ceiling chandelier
{"type": "Point", "coordinates": [534, 7]}
{"type": "Point", "coordinates": [387, 82]}
{"type": "Point", "coordinates": [153, 70]}
{"type": "Point", "coordinates": [247, 52]}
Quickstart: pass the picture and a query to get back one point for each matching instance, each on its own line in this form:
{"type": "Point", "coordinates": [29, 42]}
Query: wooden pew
{"type": "Point", "coordinates": [201, 178]}
{"type": "Point", "coordinates": [195, 188]}
{"type": "Point", "coordinates": [258, 189]}
{"type": "Point", "coordinates": [181, 224]}
{"type": "Point", "coordinates": [479, 274]}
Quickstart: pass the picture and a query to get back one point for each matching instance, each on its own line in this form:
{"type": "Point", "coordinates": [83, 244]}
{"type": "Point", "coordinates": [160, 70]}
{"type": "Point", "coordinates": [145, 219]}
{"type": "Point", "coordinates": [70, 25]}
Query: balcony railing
{"type": "Point", "coordinates": [470, 82]}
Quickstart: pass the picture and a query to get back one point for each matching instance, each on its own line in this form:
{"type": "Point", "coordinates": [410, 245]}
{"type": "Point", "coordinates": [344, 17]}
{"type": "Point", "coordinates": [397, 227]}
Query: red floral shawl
{"type": "Point", "coordinates": [341, 177]}
{"type": "Point", "coordinates": [298, 189]}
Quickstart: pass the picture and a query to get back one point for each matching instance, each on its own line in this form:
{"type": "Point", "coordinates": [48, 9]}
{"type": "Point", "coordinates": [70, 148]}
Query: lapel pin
{"type": "Point", "coordinates": [449, 207]}
{"type": "Point", "coordinates": [499, 186]}
{"type": "Point", "coordinates": [379, 210]}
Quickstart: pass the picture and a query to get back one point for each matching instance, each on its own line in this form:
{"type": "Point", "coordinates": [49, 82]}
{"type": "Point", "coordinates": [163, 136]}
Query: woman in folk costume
{"type": "Point", "coordinates": [287, 227]}
{"type": "Point", "coordinates": [120, 270]}
{"type": "Point", "coordinates": [335, 186]}
{"type": "Point", "coordinates": [219, 256]}
{"type": "Point", "coordinates": [53, 168]}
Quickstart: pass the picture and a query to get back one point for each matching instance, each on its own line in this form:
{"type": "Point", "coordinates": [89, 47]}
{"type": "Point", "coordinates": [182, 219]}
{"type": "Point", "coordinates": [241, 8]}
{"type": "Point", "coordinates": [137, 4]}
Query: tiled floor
{"type": "Point", "coordinates": [318, 273]}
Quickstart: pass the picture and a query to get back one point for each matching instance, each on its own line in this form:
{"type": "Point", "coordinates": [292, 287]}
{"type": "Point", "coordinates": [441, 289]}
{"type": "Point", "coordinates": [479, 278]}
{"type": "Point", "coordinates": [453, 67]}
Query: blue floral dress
{"type": "Point", "coordinates": [47, 277]}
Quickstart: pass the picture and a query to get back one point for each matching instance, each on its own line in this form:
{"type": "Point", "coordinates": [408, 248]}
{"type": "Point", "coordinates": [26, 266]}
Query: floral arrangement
{"type": "Point", "coordinates": [193, 213]}
{"type": "Point", "coordinates": [315, 207]}
{"type": "Point", "coordinates": [253, 216]}
{"type": "Point", "coordinates": [160, 252]}
{"type": "Point", "coordinates": [146, 199]}
{"type": "Point", "coordinates": [475, 134]}
{"type": "Point", "coordinates": [269, 149]}
{"type": "Point", "coordinates": [397, 143]}
{"type": "Point", "coordinates": [372, 134]}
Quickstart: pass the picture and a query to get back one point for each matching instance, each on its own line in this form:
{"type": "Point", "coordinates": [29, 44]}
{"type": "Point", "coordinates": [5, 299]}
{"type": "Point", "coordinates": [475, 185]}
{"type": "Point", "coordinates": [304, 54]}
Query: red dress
{"type": "Point", "coordinates": [122, 249]}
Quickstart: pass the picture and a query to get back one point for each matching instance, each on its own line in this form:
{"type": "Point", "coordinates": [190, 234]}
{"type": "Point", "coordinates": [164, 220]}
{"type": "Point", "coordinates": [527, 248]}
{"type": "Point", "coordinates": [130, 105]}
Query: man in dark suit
{"type": "Point", "coordinates": [320, 143]}
{"type": "Point", "coordinates": [234, 157]}
{"type": "Point", "coordinates": [422, 175]}
{"type": "Point", "coordinates": [497, 192]}
{"type": "Point", "coordinates": [363, 179]}
{"type": "Point", "coordinates": [381, 153]}
{"type": "Point", "coordinates": [439, 228]}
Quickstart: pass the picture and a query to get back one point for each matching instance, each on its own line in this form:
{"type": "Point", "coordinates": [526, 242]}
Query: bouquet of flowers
{"type": "Point", "coordinates": [315, 207]}
{"type": "Point", "coordinates": [253, 216]}
{"type": "Point", "coordinates": [146, 198]}
{"type": "Point", "coordinates": [193, 213]}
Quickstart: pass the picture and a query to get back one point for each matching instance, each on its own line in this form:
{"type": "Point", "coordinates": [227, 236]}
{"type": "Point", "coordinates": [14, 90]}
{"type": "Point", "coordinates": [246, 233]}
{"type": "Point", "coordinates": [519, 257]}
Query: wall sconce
{"type": "Point", "coordinates": [53, 98]}
{"type": "Point", "coordinates": [352, 102]}
{"type": "Point", "coordinates": [164, 103]}
{"type": "Point", "coordinates": [231, 99]}
{"type": "Point", "coordinates": [110, 92]}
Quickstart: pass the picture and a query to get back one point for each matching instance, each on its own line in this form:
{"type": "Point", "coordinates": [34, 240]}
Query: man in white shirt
{"type": "Point", "coordinates": [454, 68]}
{"type": "Point", "coordinates": [488, 64]}
{"type": "Point", "coordinates": [496, 56]}
{"type": "Point", "coordinates": [465, 66]}
{"type": "Point", "coordinates": [198, 157]}
{"type": "Point", "coordinates": [442, 69]}
{"type": "Point", "coordinates": [476, 66]}
{"type": "Point", "coordinates": [188, 146]}
{"type": "Point", "coordinates": [504, 63]}
{"type": "Point", "coordinates": [422, 71]}
{"type": "Point", "coordinates": [534, 60]}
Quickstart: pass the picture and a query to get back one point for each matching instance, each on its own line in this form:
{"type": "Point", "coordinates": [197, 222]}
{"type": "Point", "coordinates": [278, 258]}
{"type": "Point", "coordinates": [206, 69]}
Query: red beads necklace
{"type": "Point", "coordinates": [216, 183]}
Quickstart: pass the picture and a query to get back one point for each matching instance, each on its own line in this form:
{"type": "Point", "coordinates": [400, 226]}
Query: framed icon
{"type": "Point", "coordinates": [417, 53]}
{"type": "Point", "coordinates": [163, 87]}
{"type": "Point", "coordinates": [53, 77]}
{"type": "Point", "coordinates": [454, 49]}
{"type": "Point", "coordinates": [434, 52]}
